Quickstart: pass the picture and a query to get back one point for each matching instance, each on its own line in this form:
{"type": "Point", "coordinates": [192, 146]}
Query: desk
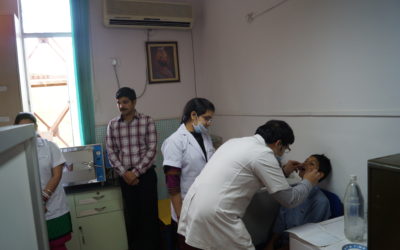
{"type": "Point", "coordinates": [332, 229]}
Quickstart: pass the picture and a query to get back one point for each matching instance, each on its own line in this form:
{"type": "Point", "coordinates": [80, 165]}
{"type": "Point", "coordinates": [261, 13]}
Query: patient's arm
{"type": "Point", "coordinates": [294, 196]}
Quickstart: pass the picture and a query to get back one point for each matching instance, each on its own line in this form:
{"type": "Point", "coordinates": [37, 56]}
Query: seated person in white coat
{"type": "Point", "coordinates": [315, 208]}
{"type": "Point", "coordinates": [186, 152]}
{"type": "Point", "coordinates": [211, 216]}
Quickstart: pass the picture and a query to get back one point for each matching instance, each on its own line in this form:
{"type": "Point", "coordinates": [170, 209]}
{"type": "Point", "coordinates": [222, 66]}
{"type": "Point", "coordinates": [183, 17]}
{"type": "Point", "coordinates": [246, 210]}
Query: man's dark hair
{"type": "Point", "coordinates": [324, 165]}
{"type": "Point", "coordinates": [198, 105]}
{"type": "Point", "coordinates": [275, 130]}
{"type": "Point", "coordinates": [126, 92]}
{"type": "Point", "coordinates": [25, 115]}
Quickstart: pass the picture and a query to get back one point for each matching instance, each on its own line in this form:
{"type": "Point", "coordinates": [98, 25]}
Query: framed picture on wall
{"type": "Point", "coordinates": [162, 62]}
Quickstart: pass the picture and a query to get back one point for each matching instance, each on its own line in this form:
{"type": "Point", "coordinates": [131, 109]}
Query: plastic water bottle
{"type": "Point", "coordinates": [354, 225]}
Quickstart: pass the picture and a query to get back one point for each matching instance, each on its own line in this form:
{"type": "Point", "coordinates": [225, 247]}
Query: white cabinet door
{"type": "Point", "coordinates": [104, 231]}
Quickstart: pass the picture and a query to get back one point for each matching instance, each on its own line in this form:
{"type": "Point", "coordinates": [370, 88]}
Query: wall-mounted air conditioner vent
{"type": "Point", "coordinates": [148, 15]}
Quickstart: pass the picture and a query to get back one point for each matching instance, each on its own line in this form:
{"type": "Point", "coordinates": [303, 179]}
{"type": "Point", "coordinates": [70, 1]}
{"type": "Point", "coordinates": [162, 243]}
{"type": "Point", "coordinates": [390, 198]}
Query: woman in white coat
{"type": "Point", "coordinates": [187, 151]}
{"type": "Point", "coordinates": [51, 163]}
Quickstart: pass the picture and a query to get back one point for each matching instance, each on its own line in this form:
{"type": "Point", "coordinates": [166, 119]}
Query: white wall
{"type": "Point", "coordinates": [317, 55]}
{"type": "Point", "coordinates": [128, 45]}
{"type": "Point", "coordinates": [330, 68]}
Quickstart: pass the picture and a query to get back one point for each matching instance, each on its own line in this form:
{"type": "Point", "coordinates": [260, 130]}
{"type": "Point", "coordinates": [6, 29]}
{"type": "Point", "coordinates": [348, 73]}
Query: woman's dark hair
{"type": "Point", "coordinates": [126, 92]}
{"type": "Point", "coordinates": [25, 115]}
{"type": "Point", "coordinates": [275, 130]}
{"type": "Point", "coordinates": [324, 165]}
{"type": "Point", "coordinates": [198, 105]}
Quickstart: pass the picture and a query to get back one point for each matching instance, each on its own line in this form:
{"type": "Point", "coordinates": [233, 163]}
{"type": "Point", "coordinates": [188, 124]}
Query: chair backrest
{"type": "Point", "coordinates": [335, 204]}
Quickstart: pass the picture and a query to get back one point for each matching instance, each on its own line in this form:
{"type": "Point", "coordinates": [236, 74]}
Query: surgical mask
{"type": "Point", "coordinates": [199, 128]}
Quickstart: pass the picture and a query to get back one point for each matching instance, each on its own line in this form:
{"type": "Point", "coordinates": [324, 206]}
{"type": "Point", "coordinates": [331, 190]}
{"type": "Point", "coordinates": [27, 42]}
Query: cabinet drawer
{"type": "Point", "coordinates": [97, 196]}
{"type": "Point", "coordinates": [98, 208]}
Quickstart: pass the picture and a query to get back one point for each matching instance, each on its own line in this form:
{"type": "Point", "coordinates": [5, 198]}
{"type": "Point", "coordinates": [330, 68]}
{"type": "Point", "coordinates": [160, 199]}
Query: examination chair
{"type": "Point", "coordinates": [335, 204]}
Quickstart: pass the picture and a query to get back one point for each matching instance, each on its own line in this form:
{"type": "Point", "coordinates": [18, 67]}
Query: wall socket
{"type": "Point", "coordinates": [114, 61]}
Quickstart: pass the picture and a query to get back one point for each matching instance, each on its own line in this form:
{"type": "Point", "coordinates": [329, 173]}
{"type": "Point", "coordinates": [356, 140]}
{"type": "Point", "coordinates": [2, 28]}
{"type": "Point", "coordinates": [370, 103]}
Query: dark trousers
{"type": "Point", "coordinates": [179, 240]}
{"type": "Point", "coordinates": [141, 212]}
{"type": "Point", "coordinates": [174, 235]}
{"type": "Point", "coordinates": [182, 244]}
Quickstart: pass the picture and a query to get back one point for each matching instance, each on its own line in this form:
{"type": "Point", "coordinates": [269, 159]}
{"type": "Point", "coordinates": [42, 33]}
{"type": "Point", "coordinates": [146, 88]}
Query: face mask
{"type": "Point", "coordinates": [199, 128]}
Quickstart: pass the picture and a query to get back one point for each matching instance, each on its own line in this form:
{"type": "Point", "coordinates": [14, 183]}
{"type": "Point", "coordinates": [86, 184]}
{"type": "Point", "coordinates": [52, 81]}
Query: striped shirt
{"type": "Point", "coordinates": [131, 145]}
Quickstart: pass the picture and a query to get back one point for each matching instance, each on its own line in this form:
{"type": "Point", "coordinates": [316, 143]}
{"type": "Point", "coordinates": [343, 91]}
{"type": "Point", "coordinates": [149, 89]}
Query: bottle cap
{"type": "Point", "coordinates": [353, 177]}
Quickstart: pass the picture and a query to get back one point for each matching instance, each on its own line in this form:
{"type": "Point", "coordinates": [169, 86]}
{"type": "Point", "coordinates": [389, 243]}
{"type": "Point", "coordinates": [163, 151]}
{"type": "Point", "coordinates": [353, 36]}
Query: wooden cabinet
{"type": "Point", "coordinates": [13, 90]}
{"type": "Point", "coordinates": [97, 220]}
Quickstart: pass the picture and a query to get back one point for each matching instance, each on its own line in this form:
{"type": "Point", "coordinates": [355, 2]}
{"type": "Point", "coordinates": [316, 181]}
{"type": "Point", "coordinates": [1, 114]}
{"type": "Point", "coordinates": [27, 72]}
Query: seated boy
{"type": "Point", "coordinates": [314, 209]}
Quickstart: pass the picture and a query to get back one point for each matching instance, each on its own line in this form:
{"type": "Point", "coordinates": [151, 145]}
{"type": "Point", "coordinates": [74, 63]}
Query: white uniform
{"type": "Point", "coordinates": [181, 150]}
{"type": "Point", "coordinates": [213, 207]}
{"type": "Point", "coordinates": [50, 156]}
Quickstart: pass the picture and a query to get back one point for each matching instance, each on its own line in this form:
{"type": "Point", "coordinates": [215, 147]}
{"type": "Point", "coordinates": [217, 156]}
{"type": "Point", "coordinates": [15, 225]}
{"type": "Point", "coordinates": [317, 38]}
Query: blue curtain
{"type": "Point", "coordinates": [83, 72]}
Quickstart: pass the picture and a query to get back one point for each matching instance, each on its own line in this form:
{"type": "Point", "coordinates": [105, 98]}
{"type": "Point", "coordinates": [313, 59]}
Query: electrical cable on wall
{"type": "Point", "coordinates": [147, 76]}
{"type": "Point", "coordinates": [115, 63]}
{"type": "Point", "coordinates": [253, 15]}
{"type": "Point", "coordinates": [194, 66]}
{"type": "Point", "coordinates": [148, 34]}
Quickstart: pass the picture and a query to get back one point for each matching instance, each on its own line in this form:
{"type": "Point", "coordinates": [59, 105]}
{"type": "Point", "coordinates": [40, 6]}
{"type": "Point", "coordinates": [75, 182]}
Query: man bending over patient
{"type": "Point", "coordinates": [314, 209]}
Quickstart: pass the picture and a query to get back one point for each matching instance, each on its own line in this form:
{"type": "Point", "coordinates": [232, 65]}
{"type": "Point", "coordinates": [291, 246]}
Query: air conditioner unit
{"type": "Point", "coordinates": [147, 14]}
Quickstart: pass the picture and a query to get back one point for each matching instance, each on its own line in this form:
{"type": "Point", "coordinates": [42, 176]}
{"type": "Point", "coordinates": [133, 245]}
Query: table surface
{"type": "Point", "coordinates": [334, 227]}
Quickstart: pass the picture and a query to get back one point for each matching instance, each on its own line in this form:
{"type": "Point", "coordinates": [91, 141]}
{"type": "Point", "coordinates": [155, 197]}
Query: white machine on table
{"type": "Point", "coordinates": [84, 165]}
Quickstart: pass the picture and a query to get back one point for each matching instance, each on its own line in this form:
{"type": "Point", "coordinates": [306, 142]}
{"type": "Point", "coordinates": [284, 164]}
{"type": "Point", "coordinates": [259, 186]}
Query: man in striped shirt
{"type": "Point", "coordinates": [131, 146]}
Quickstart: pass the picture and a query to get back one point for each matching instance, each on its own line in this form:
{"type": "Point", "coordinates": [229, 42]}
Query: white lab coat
{"type": "Point", "coordinates": [181, 150]}
{"type": "Point", "coordinates": [50, 156]}
{"type": "Point", "coordinates": [212, 210]}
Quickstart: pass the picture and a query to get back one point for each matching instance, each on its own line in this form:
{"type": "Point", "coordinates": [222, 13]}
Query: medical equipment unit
{"type": "Point", "coordinates": [84, 165]}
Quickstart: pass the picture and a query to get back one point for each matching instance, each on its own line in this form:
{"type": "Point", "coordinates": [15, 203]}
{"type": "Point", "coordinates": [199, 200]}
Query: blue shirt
{"type": "Point", "coordinates": [314, 209]}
